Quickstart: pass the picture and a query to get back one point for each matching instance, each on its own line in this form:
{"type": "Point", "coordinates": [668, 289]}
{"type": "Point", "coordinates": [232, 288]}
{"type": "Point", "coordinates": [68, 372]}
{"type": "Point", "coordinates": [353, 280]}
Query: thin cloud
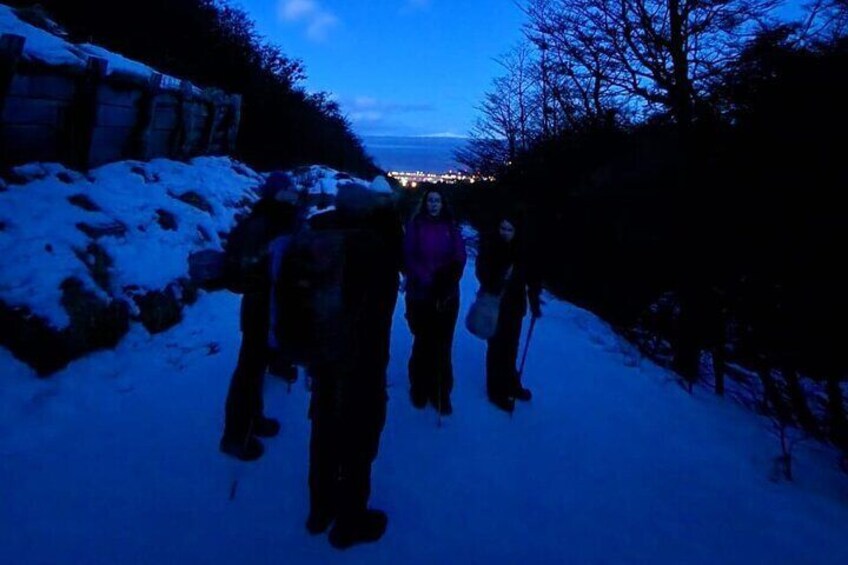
{"type": "Point", "coordinates": [295, 10]}
{"type": "Point", "coordinates": [369, 112]}
{"type": "Point", "coordinates": [418, 4]}
{"type": "Point", "coordinates": [370, 104]}
{"type": "Point", "coordinates": [318, 20]}
{"type": "Point", "coordinates": [366, 117]}
{"type": "Point", "coordinates": [413, 6]}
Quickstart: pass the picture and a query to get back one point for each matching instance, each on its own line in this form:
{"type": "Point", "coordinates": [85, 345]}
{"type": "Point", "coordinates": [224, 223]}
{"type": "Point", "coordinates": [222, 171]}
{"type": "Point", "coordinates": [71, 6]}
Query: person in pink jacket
{"type": "Point", "coordinates": [434, 258]}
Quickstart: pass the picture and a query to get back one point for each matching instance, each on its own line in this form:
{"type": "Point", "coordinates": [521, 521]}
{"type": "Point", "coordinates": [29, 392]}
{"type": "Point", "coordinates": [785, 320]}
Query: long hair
{"type": "Point", "coordinates": [492, 239]}
{"type": "Point", "coordinates": [446, 214]}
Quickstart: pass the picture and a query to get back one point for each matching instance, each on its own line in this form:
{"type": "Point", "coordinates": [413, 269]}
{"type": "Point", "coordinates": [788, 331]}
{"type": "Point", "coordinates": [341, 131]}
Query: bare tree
{"type": "Point", "coordinates": [508, 121]}
{"type": "Point", "coordinates": [657, 53]}
{"type": "Point", "coordinates": [824, 20]}
{"type": "Point", "coordinates": [574, 74]}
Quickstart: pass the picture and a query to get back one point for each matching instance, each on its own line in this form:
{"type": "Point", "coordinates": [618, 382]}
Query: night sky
{"type": "Point", "coordinates": [398, 67]}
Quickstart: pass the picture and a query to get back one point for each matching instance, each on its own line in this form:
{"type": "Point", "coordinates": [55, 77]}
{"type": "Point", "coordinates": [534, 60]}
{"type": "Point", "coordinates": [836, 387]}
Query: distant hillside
{"type": "Point", "coordinates": [429, 154]}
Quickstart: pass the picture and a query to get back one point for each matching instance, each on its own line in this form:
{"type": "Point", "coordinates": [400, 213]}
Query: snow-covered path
{"type": "Point", "coordinates": [115, 461]}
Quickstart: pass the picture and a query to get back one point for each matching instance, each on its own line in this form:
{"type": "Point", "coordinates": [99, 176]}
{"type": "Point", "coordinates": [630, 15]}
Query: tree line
{"type": "Point", "coordinates": [683, 154]}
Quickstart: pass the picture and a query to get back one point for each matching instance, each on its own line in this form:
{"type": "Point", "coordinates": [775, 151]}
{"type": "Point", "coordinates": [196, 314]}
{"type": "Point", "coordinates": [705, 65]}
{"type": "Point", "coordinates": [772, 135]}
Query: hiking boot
{"type": "Point", "coordinates": [505, 403]}
{"type": "Point", "coordinates": [266, 427]}
{"type": "Point", "coordinates": [319, 520]}
{"type": "Point", "coordinates": [249, 449]}
{"type": "Point", "coordinates": [418, 399]}
{"type": "Point", "coordinates": [522, 394]}
{"type": "Point", "coordinates": [369, 526]}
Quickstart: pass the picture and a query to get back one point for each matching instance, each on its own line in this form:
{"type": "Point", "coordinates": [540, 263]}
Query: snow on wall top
{"type": "Point", "coordinates": [46, 48]}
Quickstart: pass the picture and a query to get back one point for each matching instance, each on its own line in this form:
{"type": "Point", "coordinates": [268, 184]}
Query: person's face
{"type": "Point", "coordinates": [434, 204]}
{"type": "Point", "coordinates": [507, 231]}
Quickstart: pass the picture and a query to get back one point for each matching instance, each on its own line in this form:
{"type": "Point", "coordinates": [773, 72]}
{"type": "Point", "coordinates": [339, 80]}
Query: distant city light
{"type": "Point", "coordinates": [413, 179]}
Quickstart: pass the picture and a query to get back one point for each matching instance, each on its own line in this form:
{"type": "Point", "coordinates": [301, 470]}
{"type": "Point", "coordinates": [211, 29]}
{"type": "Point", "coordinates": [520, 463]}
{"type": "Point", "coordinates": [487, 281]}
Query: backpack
{"type": "Point", "coordinates": [243, 266]}
{"type": "Point", "coordinates": [309, 312]}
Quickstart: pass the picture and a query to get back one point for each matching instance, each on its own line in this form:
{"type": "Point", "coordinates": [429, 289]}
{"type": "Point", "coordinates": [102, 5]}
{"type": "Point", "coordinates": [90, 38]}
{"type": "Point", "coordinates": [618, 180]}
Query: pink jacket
{"type": "Point", "coordinates": [434, 258]}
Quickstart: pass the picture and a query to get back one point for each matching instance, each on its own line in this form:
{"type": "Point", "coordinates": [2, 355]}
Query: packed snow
{"type": "Point", "coordinates": [149, 212]}
{"type": "Point", "coordinates": [148, 218]}
{"type": "Point", "coordinates": [52, 50]}
{"type": "Point", "coordinates": [115, 460]}
{"type": "Point", "coordinates": [321, 180]}
{"type": "Point", "coordinates": [41, 46]}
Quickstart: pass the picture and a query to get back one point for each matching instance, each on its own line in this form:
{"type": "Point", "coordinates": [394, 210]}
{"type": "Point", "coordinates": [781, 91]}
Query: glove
{"type": "Point", "coordinates": [281, 367]}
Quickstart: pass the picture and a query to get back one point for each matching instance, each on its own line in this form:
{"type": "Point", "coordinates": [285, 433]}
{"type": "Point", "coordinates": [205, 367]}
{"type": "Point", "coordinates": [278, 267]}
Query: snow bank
{"type": "Point", "coordinates": [120, 236]}
{"type": "Point", "coordinates": [146, 217]}
{"type": "Point", "coordinates": [318, 180]}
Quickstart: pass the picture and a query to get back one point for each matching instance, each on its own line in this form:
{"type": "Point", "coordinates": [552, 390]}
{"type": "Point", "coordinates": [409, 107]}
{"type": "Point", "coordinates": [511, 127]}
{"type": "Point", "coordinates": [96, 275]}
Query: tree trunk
{"type": "Point", "coordinates": [799, 402]}
{"type": "Point", "coordinates": [836, 414]}
{"type": "Point", "coordinates": [681, 94]}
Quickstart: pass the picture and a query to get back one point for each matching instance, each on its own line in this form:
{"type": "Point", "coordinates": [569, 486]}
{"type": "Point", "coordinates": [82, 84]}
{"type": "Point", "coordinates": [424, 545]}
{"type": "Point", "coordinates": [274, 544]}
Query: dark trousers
{"type": "Point", "coordinates": [244, 399]}
{"type": "Point", "coordinates": [346, 428]}
{"type": "Point", "coordinates": [383, 323]}
{"type": "Point", "coordinates": [501, 354]}
{"type": "Point", "coordinates": [431, 366]}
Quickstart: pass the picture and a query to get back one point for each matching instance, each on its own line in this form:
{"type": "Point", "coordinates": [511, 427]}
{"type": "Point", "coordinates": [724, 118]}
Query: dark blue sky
{"type": "Point", "coordinates": [398, 67]}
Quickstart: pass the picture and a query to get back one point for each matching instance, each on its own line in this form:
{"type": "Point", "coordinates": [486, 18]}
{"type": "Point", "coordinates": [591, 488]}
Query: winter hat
{"type": "Point", "coordinates": [359, 200]}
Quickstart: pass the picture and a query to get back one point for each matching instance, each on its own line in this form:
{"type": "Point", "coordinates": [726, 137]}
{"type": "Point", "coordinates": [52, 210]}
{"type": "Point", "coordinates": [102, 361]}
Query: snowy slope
{"type": "Point", "coordinates": [158, 212]}
{"type": "Point", "coordinates": [115, 460]}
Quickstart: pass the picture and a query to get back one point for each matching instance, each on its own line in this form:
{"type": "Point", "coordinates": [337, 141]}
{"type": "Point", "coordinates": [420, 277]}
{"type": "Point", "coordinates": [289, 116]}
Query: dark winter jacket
{"type": "Point", "coordinates": [248, 269]}
{"type": "Point", "coordinates": [336, 293]}
{"type": "Point", "coordinates": [434, 258]}
{"type": "Point", "coordinates": [247, 250]}
{"type": "Point", "coordinates": [493, 262]}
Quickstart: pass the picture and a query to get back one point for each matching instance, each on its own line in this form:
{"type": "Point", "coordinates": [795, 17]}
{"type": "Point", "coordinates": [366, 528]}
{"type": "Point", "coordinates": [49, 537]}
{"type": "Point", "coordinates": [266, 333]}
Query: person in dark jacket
{"type": "Point", "coordinates": [348, 406]}
{"type": "Point", "coordinates": [434, 259]}
{"type": "Point", "coordinates": [249, 246]}
{"type": "Point", "coordinates": [504, 268]}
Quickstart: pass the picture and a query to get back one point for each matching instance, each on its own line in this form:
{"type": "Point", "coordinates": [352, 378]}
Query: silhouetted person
{"type": "Point", "coordinates": [346, 264]}
{"type": "Point", "coordinates": [434, 258]}
{"type": "Point", "coordinates": [248, 257]}
{"type": "Point", "coordinates": [504, 268]}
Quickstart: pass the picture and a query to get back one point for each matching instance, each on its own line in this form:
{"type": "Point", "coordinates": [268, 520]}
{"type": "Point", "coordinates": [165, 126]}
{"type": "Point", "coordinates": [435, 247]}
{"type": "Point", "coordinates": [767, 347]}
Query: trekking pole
{"type": "Point", "coordinates": [438, 386]}
{"type": "Point", "coordinates": [527, 346]}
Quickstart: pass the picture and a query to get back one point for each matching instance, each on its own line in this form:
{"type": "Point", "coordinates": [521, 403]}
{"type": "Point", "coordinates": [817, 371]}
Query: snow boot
{"type": "Point", "coordinates": [505, 403]}
{"type": "Point", "coordinates": [369, 526]}
{"type": "Point", "coordinates": [266, 427]}
{"type": "Point", "coordinates": [521, 393]}
{"type": "Point", "coordinates": [319, 520]}
{"type": "Point", "coordinates": [244, 449]}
